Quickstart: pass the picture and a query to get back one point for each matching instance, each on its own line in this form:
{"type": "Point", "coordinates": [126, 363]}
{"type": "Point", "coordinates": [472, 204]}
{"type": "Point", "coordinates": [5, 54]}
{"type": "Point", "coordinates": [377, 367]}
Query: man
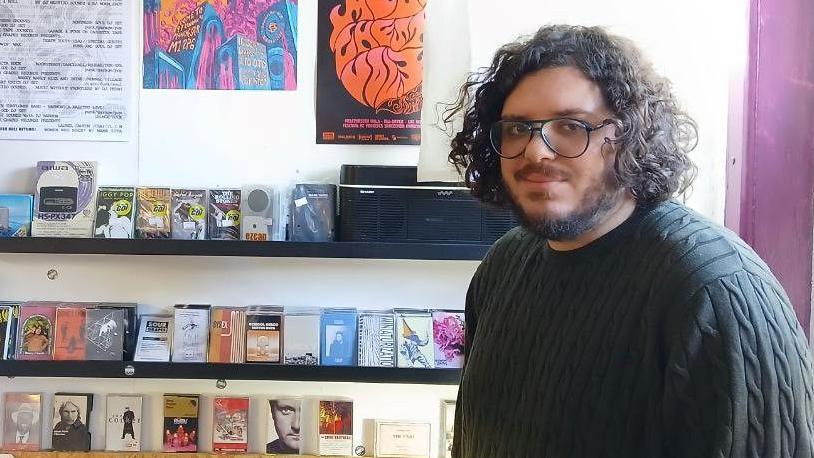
{"type": "Point", "coordinates": [286, 416]}
{"type": "Point", "coordinates": [70, 433]}
{"type": "Point", "coordinates": [24, 418]}
{"type": "Point", "coordinates": [117, 226]}
{"type": "Point", "coordinates": [337, 349]}
{"type": "Point", "coordinates": [128, 418]}
{"type": "Point", "coordinates": [614, 322]}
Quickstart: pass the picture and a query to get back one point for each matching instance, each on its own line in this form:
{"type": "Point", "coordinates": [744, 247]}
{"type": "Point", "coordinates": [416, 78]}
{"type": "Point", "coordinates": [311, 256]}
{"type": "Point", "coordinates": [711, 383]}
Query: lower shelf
{"type": "Point", "coordinates": [144, 455]}
{"type": "Point", "coordinates": [209, 371]}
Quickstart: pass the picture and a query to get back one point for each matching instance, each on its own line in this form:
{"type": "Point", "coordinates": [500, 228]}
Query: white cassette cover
{"type": "Point", "coordinates": [154, 338]}
{"type": "Point", "coordinates": [123, 423]}
{"type": "Point", "coordinates": [191, 335]}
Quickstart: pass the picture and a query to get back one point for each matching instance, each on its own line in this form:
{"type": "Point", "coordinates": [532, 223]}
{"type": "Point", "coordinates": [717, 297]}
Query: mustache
{"type": "Point", "coordinates": [542, 169]}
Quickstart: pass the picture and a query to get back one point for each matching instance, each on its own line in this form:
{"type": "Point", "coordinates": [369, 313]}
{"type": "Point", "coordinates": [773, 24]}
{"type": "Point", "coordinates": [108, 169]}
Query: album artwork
{"type": "Point", "coordinates": [191, 334]}
{"type": "Point", "coordinates": [338, 337]}
{"type": "Point", "coordinates": [312, 213]}
{"type": "Point", "coordinates": [264, 328]}
{"type": "Point", "coordinates": [336, 428]}
{"type": "Point", "coordinates": [130, 322]}
{"type": "Point", "coordinates": [448, 338]}
{"type": "Point", "coordinates": [35, 333]}
{"type": "Point", "coordinates": [153, 217]}
{"type": "Point", "coordinates": [224, 214]}
{"type": "Point", "coordinates": [230, 425]}
{"type": "Point", "coordinates": [154, 338]}
{"type": "Point", "coordinates": [283, 425]}
{"type": "Point", "coordinates": [104, 334]}
{"type": "Point", "coordinates": [70, 422]}
{"type": "Point", "coordinates": [123, 424]}
{"type": "Point", "coordinates": [447, 427]}
{"type": "Point", "coordinates": [9, 314]}
{"type": "Point", "coordinates": [227, 335]}
{"type": "Point", "coordinates": [69, 334]}
{"type": "Point", "coordinates": [21, 421]}
{"type": "Point", "coordinates": [181, 422]}
{"type": "Point", "coordinates": [377, 340]}
{"type": "Point", "coordinates": [16, 212]}
{"type": "Point", "coordinates": [402, 439]}
{"type": "Point", "coordinates": [114, 213]}
{"type": "Point", "coordinates": [415, 339]}
{"type": "Point", "coordinates": [301, 340]}
{"type": "Point", "coordinates": [189, 214]}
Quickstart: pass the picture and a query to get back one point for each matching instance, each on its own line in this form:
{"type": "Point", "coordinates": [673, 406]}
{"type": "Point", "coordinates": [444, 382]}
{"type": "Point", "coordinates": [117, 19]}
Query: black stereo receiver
{"type": "Point", "coordinates": [387, 204]}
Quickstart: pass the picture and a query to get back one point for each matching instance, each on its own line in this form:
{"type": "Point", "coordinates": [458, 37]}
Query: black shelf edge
{"type": "Point", "coordinates": [210, 371]}
{"type": "Point", "coordinates": [169, 247]}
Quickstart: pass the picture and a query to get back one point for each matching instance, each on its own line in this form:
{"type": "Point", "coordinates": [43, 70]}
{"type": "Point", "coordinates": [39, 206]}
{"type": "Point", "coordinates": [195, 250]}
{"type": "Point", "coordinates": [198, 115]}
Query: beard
{"type": "Point", "coordinates": [597, 202]}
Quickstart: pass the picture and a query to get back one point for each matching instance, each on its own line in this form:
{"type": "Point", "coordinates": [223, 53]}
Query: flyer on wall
{"type": "Point", "coordinates": [65, 70]}
{"type": "Point", "coordinates": [220, 44]}
{"type": "Point", "coordinates": [369, 71]}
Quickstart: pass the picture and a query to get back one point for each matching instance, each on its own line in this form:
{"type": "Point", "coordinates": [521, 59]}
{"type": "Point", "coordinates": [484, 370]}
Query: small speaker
{"type": "Point", "coordinates": [313, 213]}
{"type": "Point", "coordinates": [257, 213]}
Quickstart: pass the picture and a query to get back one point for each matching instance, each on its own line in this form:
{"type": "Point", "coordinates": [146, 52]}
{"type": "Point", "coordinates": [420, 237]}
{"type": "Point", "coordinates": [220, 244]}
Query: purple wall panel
{"type": "Point", "coordinates": [777, 179]}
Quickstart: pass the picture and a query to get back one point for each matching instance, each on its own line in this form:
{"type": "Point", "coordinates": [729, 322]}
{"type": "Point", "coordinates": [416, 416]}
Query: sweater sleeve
{"type": "Point", "coordinates": [738, 375]}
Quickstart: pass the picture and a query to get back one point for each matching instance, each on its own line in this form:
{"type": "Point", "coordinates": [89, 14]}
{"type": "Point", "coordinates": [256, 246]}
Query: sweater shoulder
{"type": "Point", "coordinates": [695, 250]}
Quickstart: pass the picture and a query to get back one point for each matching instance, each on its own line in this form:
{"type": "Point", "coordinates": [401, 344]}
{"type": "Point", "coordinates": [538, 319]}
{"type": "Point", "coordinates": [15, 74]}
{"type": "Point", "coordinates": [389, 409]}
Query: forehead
{"type": "Point", "coordinates": [555, 92]}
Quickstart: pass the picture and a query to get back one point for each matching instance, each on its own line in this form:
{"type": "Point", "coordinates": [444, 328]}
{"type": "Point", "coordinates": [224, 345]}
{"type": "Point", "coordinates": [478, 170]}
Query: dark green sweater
{"type": "Point", "coordinates": [667, 337]}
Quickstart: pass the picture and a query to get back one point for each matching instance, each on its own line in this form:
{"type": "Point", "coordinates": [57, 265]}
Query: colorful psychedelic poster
{"type": "Point", "coordinates": [220, 44]}
{"type": "Point", "coordinates": [370, 71]}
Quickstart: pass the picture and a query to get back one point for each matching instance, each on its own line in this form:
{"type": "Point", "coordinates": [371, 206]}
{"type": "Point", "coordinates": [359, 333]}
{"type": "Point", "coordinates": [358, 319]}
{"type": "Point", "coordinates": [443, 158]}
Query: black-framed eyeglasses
{"type": "Point", "coordinates": [566, 137]}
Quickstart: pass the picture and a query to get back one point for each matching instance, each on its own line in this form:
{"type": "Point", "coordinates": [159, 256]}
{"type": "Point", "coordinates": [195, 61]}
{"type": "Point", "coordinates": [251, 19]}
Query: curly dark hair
{"type": "Point", "coordinates": [655, 135]}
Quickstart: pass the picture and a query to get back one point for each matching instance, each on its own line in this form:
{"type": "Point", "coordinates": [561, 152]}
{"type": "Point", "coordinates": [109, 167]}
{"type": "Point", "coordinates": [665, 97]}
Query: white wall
{"type": "Point", "coordinates": [200, 138]}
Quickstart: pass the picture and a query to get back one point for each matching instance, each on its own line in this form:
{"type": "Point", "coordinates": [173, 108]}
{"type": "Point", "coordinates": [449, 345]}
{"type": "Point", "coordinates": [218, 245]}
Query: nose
{"type": "Point", "coordinates": [295, 424]}
{"type": "Point", "coordinates": [537, 149]}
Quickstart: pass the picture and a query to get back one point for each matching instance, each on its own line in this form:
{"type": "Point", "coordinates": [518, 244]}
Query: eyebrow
{"type": "Point", "coordinates": [567, 113]}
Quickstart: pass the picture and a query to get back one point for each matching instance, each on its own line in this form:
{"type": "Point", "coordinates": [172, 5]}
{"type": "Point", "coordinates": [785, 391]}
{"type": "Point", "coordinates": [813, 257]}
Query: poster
{"type": "Point", "coordinates": [65, 71]}
{"type": "Point", "coordinates": [370, 71]}
{"type": "Point", "coordinates": [220, 44]}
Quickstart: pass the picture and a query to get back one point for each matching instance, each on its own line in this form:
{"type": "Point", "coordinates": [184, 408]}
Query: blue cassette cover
{"type": "Point", "coordinates": [337, 337]}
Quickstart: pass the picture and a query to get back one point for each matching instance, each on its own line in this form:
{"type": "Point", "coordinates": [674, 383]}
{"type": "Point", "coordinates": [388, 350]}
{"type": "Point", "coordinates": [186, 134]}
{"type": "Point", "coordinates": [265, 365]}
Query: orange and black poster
{"type": "Point", "coordinates": [369, 71]}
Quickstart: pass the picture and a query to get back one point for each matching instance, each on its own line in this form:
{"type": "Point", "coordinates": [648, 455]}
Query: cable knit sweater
{"type": "Point", "coordinates": [667, 337]}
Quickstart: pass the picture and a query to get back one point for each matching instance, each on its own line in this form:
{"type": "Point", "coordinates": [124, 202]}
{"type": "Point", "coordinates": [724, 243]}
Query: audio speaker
{"type": "Point", "coordinates": [257, 210]}
{"type": "Point", "coordinates": [388, 204]}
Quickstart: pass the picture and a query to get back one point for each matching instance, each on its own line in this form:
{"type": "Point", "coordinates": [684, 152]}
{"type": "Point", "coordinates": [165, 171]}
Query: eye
{"type": "Point", "coordinates": [515, 129]}
{"type": "Point", "coordinates": [568, 127]}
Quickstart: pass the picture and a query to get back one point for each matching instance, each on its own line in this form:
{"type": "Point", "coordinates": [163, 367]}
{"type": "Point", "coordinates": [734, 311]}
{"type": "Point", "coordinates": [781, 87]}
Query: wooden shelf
{"type": "Point", "coordinates": [207, 371]}
{"type": "Point", "coordinates": [147, 455]}
{"type": "Point", "coordinates": [373, 250]}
